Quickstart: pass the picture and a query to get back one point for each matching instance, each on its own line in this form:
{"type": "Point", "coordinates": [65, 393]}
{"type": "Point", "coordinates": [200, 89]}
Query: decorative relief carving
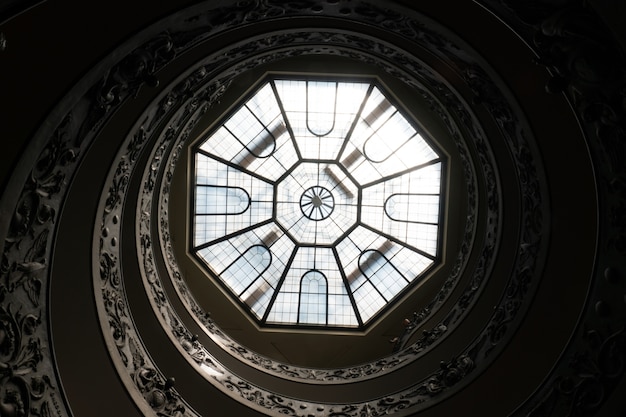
{"type": "Point", "coordinates": [260, 397]}
{"type": "Point", "coordinates": [158, 394]}
{"type": "Point", "coordinates": [136, 69]}
{"type": "Point", "coordinates": [449, 372]}
{"type": "Point", "coordinates": [592, 373]}
{"type": "Point", "coordinates": [533, 224]}
{"type": "Point", "coordinates": [587, 65]}
{"type": "Point", "coordinates": [22, 263]}
{"type": "Point", "coordinates": [439, 329]}
{"type": "Point", "coordinates": [24, 266]}
{"type": "Point", "coordinates": [353, 373]}
{"type": "Point", "coordinates": [26, 365]}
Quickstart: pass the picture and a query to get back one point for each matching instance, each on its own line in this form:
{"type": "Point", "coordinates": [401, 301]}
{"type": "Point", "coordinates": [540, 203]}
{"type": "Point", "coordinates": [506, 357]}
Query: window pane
{"type": "Point", "coordinates": [317, 201]}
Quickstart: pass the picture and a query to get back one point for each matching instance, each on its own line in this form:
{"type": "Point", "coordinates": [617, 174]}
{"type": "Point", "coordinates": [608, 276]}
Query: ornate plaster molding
{"type": "Point", "coordinates": [29, 382]}
{"type": "Point", "coordinates": [587, 64]}
{"type": "Point", "coordinates": [313, 375]}
{"type": "Point", "coordinates": [456, 369]}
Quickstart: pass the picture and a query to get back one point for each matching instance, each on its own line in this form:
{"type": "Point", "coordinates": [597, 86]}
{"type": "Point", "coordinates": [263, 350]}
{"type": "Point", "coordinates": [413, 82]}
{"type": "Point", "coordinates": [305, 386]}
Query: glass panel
{"type": "Point", "coordinates": [388, 139]}
{"type": "Point", "coordinates": [406, 207]}
{"type": "Point", "coordinates": [340, 310]}
{"type": "Point", "coordinates": [368, 301]}
{"type": "Point", "coordinates": [314, 272]}
{"type": "Point", "coordinates": [285, 308]}
{"type": "Point", "coordinates": [255, 137]}
{"type": "Point", "coordinates": [317, 202]}
{"type": "Point", "coordinates": [221, 200]}
{"type": "Point", "coordinates": [258, 296]}
{"type": "Point", "coordinates": [220, 256]}
{"type": "Point", "coordinates": [382, 273]}
{"type": "Point", "coordinates": [251, 133]}
{"type": "Point", "coordinates": [383, 143]}
{"type": "Point", "coordinates": [415, 208]}
{"type": "Point", "coordinates": [374, 263]}
{"type": "Point", "coordinates": [313, 298]}
{"type": "Point", "coordinates": [320, 114]}
{"type": "Point", "coordinates": [247, 268]}
{"type": "Point", "coordinates": [321, 107]}
{"type": "Point", "coordinates": [227, 200]}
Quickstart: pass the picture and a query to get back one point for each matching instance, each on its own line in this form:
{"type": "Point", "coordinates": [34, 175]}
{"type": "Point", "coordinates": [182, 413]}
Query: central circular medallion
{"type": "Point", "coordinates": [317, 203]}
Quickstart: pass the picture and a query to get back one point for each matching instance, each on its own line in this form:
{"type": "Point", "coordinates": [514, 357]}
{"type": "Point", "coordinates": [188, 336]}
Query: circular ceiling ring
{"type": "Point", "coordinates": [184, 338]}
{"type": "Point", "coordinates": [463, 362]}
{"type": "Point", "coordinates": [97, 107]}
{"type": "Point", "coordinates": [313, 375]}
{"type": "Point", "coordinates": [36, 199]}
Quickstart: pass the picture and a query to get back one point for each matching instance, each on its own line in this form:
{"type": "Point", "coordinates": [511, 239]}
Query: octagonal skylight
{"type": "Point", "coordinates": [317, 202]}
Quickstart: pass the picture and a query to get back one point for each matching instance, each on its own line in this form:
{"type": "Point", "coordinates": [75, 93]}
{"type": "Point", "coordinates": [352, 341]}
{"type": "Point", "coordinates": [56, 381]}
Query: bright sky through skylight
{"type": "Point", "coordinates": [317, 203]}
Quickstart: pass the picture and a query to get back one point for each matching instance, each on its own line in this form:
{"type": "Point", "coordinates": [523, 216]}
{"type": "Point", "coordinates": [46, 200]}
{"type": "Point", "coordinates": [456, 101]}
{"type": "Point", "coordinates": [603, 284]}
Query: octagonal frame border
{"type": "Point", "coordinates": [260, 82]}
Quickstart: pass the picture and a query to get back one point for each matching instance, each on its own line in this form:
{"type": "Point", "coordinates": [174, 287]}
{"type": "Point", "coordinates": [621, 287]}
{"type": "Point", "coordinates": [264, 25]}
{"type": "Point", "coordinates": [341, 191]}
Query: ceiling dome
{"type": "Point", "coordinates": [316, 203]}
{"type": "Point", "coordinates": [334, 208]}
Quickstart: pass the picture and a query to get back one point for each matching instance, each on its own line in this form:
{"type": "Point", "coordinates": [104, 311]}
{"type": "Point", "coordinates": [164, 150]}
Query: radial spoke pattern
{"type": "Point", "coordinates": [317, 202]}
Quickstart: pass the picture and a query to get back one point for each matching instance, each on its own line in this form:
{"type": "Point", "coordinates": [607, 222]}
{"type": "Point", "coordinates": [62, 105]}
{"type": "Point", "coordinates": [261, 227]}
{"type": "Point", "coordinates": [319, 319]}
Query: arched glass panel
{"type": "Point", "coordinates": [247, 268]}
{"type": "Point", "coordinates": [264, 144]}
{"type": "Point", "coordinates": [313, 298]}
{"type": "Point", "coordinates": [321, 97]}
{"type": "Point", "coordinates": [216, 200]}
{"type": "Point", "coordinates": [252, 134]}
{"type": "Point", "coordinates": [381, 272]}
{"type": "Point", "coordinates": [384, 142]}
{"type": "Point", "coordinates": [388, 139]}
{"type": "Point", "coordinates": [320, 114]}
{"type": "Point", "coordinates": [413, 208]}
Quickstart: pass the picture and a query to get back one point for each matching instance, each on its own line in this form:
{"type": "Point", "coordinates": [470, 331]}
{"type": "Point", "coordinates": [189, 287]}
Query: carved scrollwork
{"type": "Point", "coordinates": [108, 270]}
{"type": "Point", "coordinates": [134, 70]}
{"type": "Point", "coordinates": [429, 337]}
{"type": "Point", "coordinates": [19, 351]}
{"type": "Point", "coordinates": [25, 360]}
{"type": "Point", "coordinates": [24, 265]}
{"type": "Point", "coordinates": [14, 397]}
{"type": "Point", "coordinates": [27, 274]}
{"type": "Point", "coordinates": [587, 384]}
{"type": "Point", "coordinates": [586, 64]}
{"type": "Point", "coordinates": [158, 393]}
{"type": "Point", "coordinates": [334, 375]}
{"type": "Point", "coordinates": [450, 374]}
{"type": "Point", "coordinates": [22, 387]}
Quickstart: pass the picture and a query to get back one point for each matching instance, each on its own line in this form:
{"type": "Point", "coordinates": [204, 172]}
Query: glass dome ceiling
{"type": "Point", "coordinates": [317, 202]}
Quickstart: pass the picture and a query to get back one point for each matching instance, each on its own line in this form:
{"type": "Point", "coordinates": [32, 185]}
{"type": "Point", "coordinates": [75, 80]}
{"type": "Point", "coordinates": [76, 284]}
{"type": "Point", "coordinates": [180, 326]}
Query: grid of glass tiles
{"type": "Point", "coordinates": [332, 261]}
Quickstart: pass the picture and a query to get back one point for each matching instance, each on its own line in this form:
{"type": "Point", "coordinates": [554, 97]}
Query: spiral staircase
{"type": "Point", "coordinates": [104, 310]}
